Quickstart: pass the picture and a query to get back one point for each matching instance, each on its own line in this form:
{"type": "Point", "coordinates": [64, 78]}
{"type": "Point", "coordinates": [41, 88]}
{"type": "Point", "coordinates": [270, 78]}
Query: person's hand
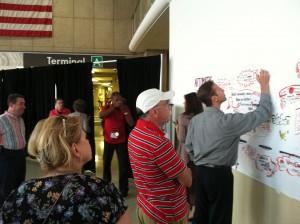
{"type": "Point", "coordinates": [126, 111]}
{"type": "Point", "coordinates": [123, 108]}
{"type": "Point", "coordinates": [263, 78]}
{"type": "Point", "coordinates": [176, 128]}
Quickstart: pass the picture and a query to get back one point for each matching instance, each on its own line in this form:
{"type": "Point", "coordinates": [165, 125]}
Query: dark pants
{"type": "Point", "coordinates": [123, 163]}
{"type": "Point", "coordinates": [12, 171]}
{"type": "Point", "coordinates": [214, 196]}
{"type": "Point", "coordinates": [190, 191]}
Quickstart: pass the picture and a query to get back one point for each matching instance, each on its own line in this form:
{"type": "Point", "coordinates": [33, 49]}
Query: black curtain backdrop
{"type": "Point", "coordinates": [136, 75]}
{"type": "Point", "coordinates": [37, 84]}
{"type": "Point", "coordinates": [2, 101]}
{"type": "Point", "coordinates": [72, 85]}
{"type": "Point", "coordinates": [74, 81]}
{"type": "Point", "coordinates": [42, 80]}
{"type": "Point", "coordinates": [15, 81]}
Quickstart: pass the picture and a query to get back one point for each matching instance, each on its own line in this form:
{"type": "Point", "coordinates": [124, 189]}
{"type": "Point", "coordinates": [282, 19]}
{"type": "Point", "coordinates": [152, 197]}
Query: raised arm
{"type": "Point", "coordinates": [264, 79]}
{"type": "Point", "coordinates": [126, 111]}
{"type": "Point", "coordinates": [105, 112]}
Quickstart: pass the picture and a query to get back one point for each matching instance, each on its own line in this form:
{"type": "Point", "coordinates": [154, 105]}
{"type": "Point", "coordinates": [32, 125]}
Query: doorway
{"type": "Point", "coordinates": [105, 82]}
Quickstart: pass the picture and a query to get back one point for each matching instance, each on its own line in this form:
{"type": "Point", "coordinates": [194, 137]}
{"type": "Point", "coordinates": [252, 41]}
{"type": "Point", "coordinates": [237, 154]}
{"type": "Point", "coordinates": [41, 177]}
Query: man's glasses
{"type": "Point", "coordinates": [164, 105]}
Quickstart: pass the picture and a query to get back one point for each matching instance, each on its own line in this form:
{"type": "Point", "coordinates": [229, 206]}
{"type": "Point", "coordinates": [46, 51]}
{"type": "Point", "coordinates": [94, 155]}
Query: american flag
{"type": "Point", "coordinates": [26, 18]}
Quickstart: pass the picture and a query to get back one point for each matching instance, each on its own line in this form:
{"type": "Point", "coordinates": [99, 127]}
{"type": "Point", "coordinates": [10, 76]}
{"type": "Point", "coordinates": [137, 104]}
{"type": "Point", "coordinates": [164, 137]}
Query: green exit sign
{"type": "Point", "coordinates": [97, 61]}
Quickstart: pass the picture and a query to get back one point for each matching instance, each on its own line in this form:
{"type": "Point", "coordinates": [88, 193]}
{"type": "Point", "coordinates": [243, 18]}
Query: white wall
{"type": "Point", "coordinates": [223, 37]}
{"type": "Point", "coordinates": [212, 38]}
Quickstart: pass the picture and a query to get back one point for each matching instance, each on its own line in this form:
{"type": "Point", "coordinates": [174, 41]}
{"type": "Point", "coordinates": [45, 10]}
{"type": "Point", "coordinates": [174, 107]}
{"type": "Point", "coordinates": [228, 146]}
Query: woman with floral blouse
{"type": "Point", "coordinates": [63, 195]}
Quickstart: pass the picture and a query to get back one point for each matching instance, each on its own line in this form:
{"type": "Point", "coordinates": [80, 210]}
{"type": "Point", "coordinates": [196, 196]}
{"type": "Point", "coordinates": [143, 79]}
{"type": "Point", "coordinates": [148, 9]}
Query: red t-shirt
{"type": "Point", "coordinates": [156, 166]}
{"type": "Point", "coordinates": [55, 112]}
{"type": "Point", "coordinates": [114, 126]}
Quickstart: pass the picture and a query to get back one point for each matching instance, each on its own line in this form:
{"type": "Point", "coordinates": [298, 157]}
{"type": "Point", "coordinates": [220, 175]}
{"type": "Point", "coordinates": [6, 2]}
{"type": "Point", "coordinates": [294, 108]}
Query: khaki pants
{"type": "Point", "coordinates": [145, 219]}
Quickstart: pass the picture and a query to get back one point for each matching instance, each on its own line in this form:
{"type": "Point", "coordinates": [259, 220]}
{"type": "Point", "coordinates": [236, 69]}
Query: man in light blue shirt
{"type": "Point", "coordinates": [213, 139]}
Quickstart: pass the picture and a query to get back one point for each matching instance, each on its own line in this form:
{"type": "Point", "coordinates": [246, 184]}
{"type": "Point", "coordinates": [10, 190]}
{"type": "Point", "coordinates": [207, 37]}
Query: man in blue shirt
{"type": "Point", "coordinates": [213, 139]}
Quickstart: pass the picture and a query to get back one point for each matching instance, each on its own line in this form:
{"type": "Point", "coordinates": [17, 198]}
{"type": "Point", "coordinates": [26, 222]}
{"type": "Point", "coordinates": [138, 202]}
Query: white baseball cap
{"type": "Point", "coordinates": [151, 97]}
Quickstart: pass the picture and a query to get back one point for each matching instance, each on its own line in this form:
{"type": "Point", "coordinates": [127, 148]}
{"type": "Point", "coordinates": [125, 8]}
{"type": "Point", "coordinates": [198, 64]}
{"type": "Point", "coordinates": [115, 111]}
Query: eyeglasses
{"type": "Point", "coordinates": [164, 105]}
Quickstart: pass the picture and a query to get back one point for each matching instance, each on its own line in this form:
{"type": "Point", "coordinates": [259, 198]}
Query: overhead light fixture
{"type": "Point", "coordinates": [95, 80]}
{"type": "Point", "coordinates": [93, 71]}
{"type": "Point", "coordinates": [105, 84]}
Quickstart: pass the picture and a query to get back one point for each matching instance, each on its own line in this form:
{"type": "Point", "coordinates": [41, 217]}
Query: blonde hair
{"type": "Point", "coordinates": [51, 140]}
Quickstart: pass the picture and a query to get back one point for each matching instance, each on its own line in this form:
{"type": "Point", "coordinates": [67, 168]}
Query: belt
{"type": "Point", "coordinates": [217, 166]}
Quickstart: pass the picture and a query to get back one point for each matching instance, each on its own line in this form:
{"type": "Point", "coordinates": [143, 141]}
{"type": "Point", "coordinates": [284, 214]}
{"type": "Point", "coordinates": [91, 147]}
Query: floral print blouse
{"type": "Point", "coordinates": [70, 198]}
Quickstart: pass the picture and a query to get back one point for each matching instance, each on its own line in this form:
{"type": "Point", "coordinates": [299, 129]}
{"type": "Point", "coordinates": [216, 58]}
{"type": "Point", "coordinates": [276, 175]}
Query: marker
{"type": "Point", "coordinates": [265, 147]}
{"type": "Point", "coordinates": [290, 154]}
{"type": "Point", "coordinates": [236, 165]}
{"type": "Point", "coordinates": [242, 140]}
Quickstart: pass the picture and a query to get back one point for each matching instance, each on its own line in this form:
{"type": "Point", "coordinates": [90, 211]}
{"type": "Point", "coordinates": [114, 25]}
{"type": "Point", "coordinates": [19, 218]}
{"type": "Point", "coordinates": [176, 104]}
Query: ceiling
{"type": "Point", "coordinates": [103, 76]}
{"type": "Point", "coordinates": [157, 36]}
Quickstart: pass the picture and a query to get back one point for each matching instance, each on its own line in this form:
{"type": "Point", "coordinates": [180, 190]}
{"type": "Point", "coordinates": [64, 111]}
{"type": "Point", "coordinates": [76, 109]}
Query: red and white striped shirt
{"type": "Point", "coordinates": [156, 166]}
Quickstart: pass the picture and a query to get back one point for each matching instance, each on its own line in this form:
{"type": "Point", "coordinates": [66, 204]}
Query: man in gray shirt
{"type": "Point", "coordinates": [213, 139]}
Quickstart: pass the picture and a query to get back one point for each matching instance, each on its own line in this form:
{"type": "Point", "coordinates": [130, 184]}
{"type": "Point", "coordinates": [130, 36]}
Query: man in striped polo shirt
{"type": "Point", "coordinates": [12, 144]}
{"type": "Point", "coordinates": [159, 173]}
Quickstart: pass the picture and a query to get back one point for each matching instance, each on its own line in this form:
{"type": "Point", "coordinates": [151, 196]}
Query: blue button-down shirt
{"type": "Point", "coordinates": [213, 137]}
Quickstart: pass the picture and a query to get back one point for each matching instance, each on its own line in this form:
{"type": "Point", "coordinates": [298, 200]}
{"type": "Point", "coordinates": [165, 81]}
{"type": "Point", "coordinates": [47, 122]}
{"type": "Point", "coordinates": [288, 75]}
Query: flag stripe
{"type": "Point", "coordinates": [25, 20]}
{"type": "Point", "coordinates": [36, 27]}
{"type": "Point", "coordinates": [39, 8]}
{"type": "Point", "coordinates": [32, 18]}
{"type": "Point", "coordinates": [28, 2]}
{"type": "Point", "coordinates": [25, 14]}
{"type": "Point", "coordinates": [25, 33]}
